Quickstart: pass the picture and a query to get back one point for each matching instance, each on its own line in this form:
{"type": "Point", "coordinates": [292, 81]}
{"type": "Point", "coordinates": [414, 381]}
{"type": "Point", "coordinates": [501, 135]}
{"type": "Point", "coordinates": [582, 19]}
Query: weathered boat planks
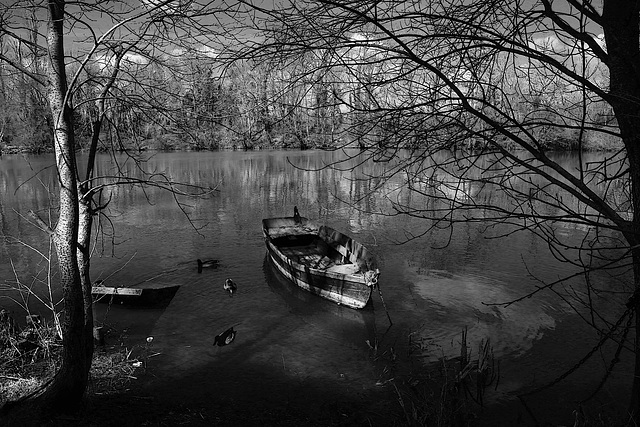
{"type": "Point", "coordinates": [321, 260]}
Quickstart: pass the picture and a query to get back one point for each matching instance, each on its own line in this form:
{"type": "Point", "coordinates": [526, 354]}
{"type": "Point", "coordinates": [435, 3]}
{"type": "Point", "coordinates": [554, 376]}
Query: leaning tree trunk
{"type": "Point", "coordinates": [85, 198]}
{"type": "Point", "coordinates": [85, 220]}
{"type": "Point", "coordinates": [620, 22]}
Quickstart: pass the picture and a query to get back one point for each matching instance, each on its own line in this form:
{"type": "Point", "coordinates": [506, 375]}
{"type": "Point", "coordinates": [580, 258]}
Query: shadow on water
{"type": "Point", "coordinates": [126, 324]}
{"type": "Point", "coordinates": [294, 353]}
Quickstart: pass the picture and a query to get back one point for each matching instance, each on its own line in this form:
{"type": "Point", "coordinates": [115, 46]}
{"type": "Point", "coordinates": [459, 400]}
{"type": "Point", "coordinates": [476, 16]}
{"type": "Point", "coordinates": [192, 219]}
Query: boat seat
{"type": "Point", "coordinates": [344, 269]}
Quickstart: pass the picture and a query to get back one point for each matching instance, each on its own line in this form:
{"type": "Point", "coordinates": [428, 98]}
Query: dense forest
{"type": "Point", "coordinates": [351, 97]}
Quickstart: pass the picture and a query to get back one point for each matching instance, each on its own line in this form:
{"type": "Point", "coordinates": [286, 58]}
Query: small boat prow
{"type": "Point", "coordinates": [141, 297]}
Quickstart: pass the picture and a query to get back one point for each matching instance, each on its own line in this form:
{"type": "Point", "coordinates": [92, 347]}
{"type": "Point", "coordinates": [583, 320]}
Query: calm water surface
{"type": "Point", "coordinates": [290, 344]}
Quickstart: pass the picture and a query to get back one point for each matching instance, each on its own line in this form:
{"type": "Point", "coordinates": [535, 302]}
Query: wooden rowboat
{"type": "Point", "coordinates": [321, 260]}
{"type": "Point", "coordinates": [141, 297]}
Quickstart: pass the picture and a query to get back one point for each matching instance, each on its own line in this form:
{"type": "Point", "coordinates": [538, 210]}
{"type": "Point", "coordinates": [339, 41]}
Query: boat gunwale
{"type": "Point", "coordinates": [358, 277]}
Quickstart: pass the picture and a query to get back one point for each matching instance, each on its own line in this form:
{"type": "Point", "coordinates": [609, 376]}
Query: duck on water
{"type": "Point", "coordinates": [225, 338]}
{"type": "Point", "coordinates": [230, 286]}
{"type": "Point", "coordinates": [208, 263]}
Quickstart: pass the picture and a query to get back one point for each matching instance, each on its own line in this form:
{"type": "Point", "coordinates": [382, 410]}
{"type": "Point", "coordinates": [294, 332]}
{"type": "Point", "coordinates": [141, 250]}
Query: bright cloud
{"type": "Point", "coordinates": [547, 44]}
{"type": "Point", "coordinates": [135, 58]}
{"type": "Point", "coordinates": [168, 7]}
{"type": "Point", "coordinates": [208, 51]}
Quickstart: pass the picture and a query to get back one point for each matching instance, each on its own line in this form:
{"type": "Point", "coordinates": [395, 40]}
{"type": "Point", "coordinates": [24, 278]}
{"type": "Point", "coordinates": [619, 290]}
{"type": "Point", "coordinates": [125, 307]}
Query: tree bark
{"type": "Point", "coordinates": [70, 383]}
{"type": "Point", "coordinates": [85, 222]}
{"type": "Point", "coordinates": [65, 391]}
{"type": "Point", "coordinates": [621, 22]}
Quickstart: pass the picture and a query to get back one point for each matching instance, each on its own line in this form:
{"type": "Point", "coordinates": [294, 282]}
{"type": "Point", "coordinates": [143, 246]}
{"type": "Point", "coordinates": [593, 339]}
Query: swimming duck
{"type": "Point", "coordinates": [296, 215]}
{"type": "Point", "coordinates": [208, 263]}
{"type": "Point", "coordinates": [225, 338]}
{"type": "Point", "coordinates": [230, 286]}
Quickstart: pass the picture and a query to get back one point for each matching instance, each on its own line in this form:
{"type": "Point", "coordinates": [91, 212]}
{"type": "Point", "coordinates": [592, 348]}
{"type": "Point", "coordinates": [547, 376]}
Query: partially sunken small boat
{"type": "Point", "coordinates": [140, 297]}
{"type": "Point", "coordinates": [321, 260]}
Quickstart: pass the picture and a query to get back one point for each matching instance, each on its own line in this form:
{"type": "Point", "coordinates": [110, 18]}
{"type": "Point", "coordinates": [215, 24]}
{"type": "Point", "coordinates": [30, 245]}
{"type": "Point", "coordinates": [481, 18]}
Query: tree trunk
{"type": "Point", "coordinates": [65, 391]}
{"type": "Point", "coordinates": [85, 221]}
{"type": "Point", "coordinates": [621, 29]}
{"type": "Point", "coordinates": [85, 212]}
{"type": "Point", "coordinates": [75, 366]}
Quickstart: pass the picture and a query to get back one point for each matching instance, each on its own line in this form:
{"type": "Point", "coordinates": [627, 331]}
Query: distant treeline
{"type": "Point", "coordinates": [154, 106]}
{"type": "Point", "coordinates": [186, 104]}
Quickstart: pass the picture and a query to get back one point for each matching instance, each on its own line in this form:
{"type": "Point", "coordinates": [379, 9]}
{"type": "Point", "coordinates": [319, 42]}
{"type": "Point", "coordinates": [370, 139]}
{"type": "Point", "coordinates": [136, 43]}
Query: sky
{"type": "Point", "coordinates": [85, 25]}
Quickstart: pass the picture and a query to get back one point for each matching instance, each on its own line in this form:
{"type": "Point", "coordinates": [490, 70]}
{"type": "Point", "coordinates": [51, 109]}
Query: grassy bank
{"type": "Point", "coordinates": [116, 394]}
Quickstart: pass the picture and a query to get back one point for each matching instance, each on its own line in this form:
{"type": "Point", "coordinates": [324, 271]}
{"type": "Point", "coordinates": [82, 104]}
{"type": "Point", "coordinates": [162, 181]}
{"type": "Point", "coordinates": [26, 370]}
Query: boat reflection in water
{"type": "Point", "coordinates": [358, 325]}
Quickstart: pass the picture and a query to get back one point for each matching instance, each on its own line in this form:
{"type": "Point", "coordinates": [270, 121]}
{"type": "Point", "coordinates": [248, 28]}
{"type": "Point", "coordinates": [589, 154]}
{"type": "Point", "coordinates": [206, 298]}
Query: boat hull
{"type": "Point", "coordinates": [320, 260]}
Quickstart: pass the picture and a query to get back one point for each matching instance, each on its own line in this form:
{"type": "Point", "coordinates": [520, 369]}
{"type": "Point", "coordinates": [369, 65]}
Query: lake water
{"type": "Point", "coordinates": [292, 346]}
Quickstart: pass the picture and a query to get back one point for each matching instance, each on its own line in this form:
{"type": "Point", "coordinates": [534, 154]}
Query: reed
{"type": "Point", "coordinates": [29, 357]}
{"type": "Point", "coordinates": [452, 394]}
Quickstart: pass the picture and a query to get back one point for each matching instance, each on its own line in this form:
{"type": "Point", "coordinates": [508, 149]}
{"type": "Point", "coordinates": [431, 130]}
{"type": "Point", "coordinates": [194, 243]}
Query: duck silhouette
{"type": "Point", "coordinates": [230, 286]}
{"type": "Point", "coordinates": [296, 215]}
{"type": "Point", "coordinates": [208, 263]}
{"type": "Point", "coordinates": [225, 338]}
